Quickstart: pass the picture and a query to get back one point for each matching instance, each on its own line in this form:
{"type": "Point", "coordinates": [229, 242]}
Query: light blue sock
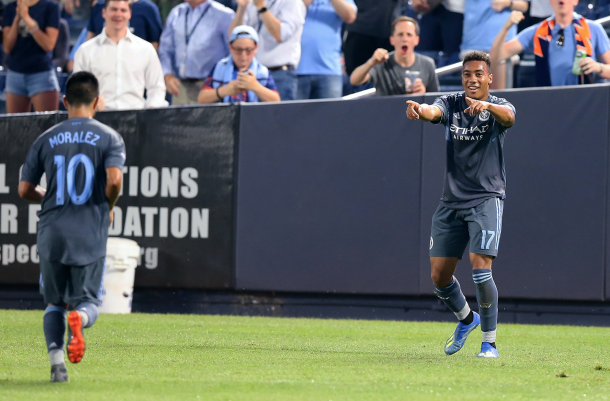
{"type": "Point", "coordinates": [54, 326]}
{"type": "Point", "coordinates": [453, 297]}
{"type": "Point", "coordinates": [90, 311]}
{"type": "Point", "coordinates": [487, 298]}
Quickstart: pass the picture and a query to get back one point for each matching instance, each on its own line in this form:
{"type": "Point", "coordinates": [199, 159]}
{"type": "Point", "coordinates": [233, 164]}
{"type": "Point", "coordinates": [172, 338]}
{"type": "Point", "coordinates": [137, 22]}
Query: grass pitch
{"type": "Point", "coordinates": [191, 357]}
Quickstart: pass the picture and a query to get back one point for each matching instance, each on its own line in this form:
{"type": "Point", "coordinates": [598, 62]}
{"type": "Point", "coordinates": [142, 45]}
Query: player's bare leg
{"type": "Point", "coordinates": [487, 299]}
{"type": "Point", "coordinates": [449, 291]}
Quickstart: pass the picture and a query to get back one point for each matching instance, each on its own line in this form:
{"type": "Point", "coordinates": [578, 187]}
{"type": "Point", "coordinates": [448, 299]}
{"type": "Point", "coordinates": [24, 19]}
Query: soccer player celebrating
{"type": "Point", "coordinates": [471, 207]}
{"type": "Point", "coordinates": [83, 161]}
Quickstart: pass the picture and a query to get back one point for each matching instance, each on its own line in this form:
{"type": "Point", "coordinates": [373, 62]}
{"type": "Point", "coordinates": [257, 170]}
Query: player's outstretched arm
{"type": "Point", "coordinates": [31, 192]}
{"type": "Point", "coordinates": [424, 112]}
{"type": "Point", "coordinates": [503, 114]}
{"type": "Point", "coordinates": [114, 181]}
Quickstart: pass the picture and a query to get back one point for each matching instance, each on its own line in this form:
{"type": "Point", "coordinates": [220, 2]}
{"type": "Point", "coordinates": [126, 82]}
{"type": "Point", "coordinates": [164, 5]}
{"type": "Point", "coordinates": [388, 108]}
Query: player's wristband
{"type": "Point", "coordinates": [601, 68]}
{"type": "Point", "coordinates": [218, 93]}
{"type": "Point", "coordinates": [262, 10]}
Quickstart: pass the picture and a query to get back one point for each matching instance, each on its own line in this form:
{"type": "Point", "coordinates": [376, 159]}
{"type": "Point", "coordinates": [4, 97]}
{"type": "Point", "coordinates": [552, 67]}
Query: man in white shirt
{"type": "Point", "coordinates": [279, 24]}
{"type": "Point", "coordinates": [124, 64]}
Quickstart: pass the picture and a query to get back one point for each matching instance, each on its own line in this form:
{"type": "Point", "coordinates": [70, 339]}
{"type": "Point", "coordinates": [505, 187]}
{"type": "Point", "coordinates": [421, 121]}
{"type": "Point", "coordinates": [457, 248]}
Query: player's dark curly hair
{"type": "Point", "coordinates": [81, 89]}
{"type": "Point", "coordinates": [478, 56]}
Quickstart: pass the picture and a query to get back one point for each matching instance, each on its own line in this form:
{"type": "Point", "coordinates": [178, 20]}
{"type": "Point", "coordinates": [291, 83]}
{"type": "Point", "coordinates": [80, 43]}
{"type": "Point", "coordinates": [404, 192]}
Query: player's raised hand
{"type": "Point", "coordinates": [413, 110]}
{"type": "Point", "coordinates": [379, 56]}
{"type": "Point", "coordinates": [242, 3]}
{"type": "Point", "coordinates": [475, 106]}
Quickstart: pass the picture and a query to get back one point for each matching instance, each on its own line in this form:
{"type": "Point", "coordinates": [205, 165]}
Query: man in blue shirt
{"type": "Point", "coordinates": [83, 160]}
{"type": "Point", "coordinates": [555, 42]}
{"type": "Point", "coordinates": [471, 208]}
{"type": "Point", "coordinates": [319, 73]}
{"type": "Point", "coordinates": [195, 37]}
{"type": "Point", "coordinates": [240, 77]}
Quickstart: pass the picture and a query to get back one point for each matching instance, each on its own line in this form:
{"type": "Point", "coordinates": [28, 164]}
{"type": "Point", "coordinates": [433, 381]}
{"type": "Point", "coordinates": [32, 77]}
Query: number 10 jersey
{"type": "Point", "coordinates": [74, 218]}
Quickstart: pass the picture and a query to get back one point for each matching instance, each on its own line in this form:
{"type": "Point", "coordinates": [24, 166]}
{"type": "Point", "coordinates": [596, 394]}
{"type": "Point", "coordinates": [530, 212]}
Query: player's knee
{"type": "Point", "coordinates": [481, 261]}
{"type": "Point", "coordinates": [440, 278]}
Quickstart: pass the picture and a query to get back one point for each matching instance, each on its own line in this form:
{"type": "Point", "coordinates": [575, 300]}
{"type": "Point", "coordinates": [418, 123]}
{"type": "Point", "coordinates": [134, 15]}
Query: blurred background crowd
{"type": "Point", "coordinates": [154, 53]}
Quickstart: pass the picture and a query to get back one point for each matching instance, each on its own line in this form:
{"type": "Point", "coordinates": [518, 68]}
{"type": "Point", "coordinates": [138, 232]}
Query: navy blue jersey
{"type": "Point", "coordinates": [74, 218]}
{"type": "Point", "coordinates": [475, 156]}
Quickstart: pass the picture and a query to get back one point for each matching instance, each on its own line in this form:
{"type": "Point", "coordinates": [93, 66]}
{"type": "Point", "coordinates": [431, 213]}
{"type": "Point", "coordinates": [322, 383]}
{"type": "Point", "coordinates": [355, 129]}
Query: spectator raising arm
{"type": "Point", "coordinates": [361, 74]}
{"type": "Point", "coordinates": [501, 49]}
{"type": "Point", "coordinates": [238, 20]}
{"type": "Point", "coordinates": [513, 5]}
{"type": "Point", "coordinates": [274, 26]}
{"type": "Point", "coordinates": [344, 10]}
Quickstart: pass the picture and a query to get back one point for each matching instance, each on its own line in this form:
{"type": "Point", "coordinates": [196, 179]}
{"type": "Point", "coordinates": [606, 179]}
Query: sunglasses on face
{"type": "Point", "coordinates": [561, 39]}
{"type": "Point", "coordinates": [247, 50]}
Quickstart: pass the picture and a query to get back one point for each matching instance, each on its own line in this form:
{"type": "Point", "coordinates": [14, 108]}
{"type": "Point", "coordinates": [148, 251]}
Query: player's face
{"type": "Point", "coordinates": [476, 79]}
{"type": "Point", "coordinates": [243, 51]}
{"type": "Point", "coordinates": [404, 39]}
{"type": "Point", "coordinates": [116, 14]}
{"type": "Point", "coordinates": [563, 7]}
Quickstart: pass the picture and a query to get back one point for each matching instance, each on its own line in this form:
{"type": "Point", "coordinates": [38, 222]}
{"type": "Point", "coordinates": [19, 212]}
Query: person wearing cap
{"type": "Point", "coordinates": [240, 77]}
{"type": "Point", "coordinates": [279, 24]}
{"type": "Point", "coordinates": [195, 37]}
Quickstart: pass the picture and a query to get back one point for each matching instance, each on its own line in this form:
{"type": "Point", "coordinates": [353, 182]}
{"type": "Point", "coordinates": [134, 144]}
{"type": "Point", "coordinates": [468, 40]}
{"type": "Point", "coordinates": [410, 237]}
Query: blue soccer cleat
{"type": "Point", "coordinates": [487, 351]}
{"type": "Point", "coordinates": [459, 336]}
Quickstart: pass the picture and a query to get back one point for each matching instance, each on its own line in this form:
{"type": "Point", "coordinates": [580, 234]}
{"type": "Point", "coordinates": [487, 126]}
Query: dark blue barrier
{"type": "Point", "coordinates": [338, 196]}
{"type": "Point", "coordinates": [328, 198]}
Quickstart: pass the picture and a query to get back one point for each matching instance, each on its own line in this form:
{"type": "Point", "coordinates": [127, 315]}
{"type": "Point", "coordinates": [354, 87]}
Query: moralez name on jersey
{"type": "Point", "coordinates": [468, 134]}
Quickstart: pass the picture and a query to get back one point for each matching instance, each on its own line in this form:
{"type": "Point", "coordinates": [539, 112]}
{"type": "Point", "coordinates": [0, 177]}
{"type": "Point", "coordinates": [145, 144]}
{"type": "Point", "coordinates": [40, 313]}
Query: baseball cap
{"type": "Point", "coordinates": [244, 31]}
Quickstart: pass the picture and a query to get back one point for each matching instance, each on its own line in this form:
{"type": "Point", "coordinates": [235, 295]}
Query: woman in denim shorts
{"type": "Point", "coordinates": [30, 31]}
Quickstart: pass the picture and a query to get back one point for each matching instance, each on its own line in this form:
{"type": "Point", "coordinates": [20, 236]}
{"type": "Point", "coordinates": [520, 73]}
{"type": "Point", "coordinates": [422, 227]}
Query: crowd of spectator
{"type": "Point", "coordinates": [205, 51]}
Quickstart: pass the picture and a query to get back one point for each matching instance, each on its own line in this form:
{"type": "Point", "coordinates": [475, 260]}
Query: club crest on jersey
{"type": "Point", "coordinates": [484, 116]}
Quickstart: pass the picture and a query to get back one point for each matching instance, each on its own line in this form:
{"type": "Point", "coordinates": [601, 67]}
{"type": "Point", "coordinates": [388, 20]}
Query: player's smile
{"type": "Point", "coordinates": [476, 80]}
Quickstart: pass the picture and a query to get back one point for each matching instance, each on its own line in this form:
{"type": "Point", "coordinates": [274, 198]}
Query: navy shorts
{"type": "Point", "coordinates": [480, 226]}
{"type": "Point", "coordinates": [72, 285]}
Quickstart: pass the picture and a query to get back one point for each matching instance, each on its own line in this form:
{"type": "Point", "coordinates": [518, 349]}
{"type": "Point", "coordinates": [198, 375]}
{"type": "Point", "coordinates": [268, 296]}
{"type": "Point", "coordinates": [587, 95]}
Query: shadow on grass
{"type": "Point", "coordinates": [8, 384]}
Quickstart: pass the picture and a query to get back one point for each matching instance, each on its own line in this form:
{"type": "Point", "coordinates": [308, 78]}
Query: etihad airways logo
{"type": "Point", "coordinates": [468, 134]}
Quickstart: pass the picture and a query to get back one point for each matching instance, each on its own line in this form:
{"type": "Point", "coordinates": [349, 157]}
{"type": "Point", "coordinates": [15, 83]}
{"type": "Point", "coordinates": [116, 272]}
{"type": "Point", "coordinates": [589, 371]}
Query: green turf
{"type": "Point", "coordinates": [190, 357]}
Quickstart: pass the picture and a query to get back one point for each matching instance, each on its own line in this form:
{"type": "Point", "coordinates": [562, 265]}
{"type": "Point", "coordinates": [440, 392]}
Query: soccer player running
{"type": "Point", "coordinates": [471, 207]}
{"type": "Point", "coordinates": [83, 161]}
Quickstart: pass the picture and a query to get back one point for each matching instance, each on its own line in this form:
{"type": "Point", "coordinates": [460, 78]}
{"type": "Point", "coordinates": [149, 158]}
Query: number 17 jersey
{"type": "Point", "coordinates": [74, 218]}
{"type": "Point", "coordinates": [475, 155]}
